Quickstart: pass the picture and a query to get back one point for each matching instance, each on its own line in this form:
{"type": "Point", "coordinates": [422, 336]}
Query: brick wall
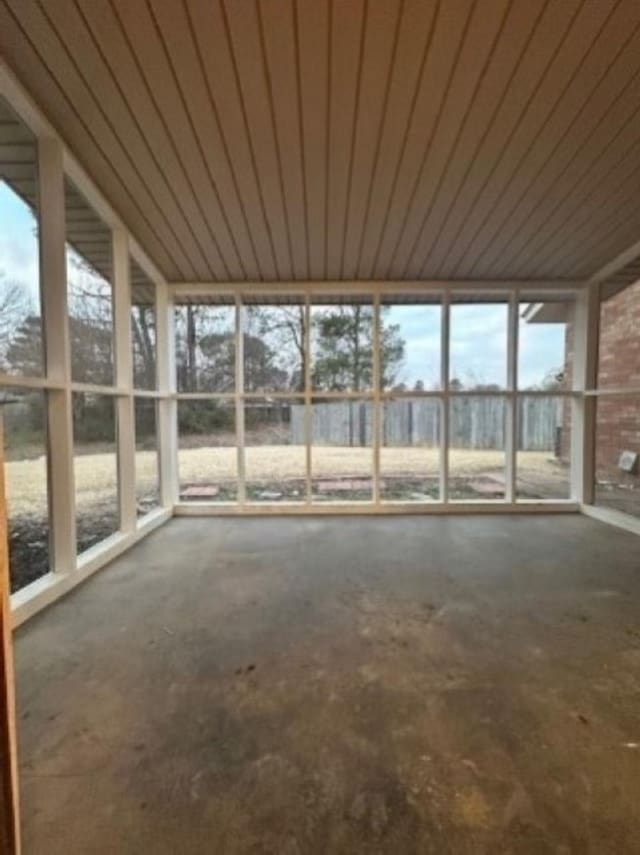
{"type": "Point", "coordinates": [618, 418]}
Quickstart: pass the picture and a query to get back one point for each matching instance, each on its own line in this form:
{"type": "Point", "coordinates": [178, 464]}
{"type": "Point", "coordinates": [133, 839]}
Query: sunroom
{"type": "Point", "coordinates": [319, 332]}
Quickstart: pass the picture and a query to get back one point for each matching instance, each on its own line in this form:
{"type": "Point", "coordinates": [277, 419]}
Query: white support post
{"type": "Point", "coordinates": [583, 407]}
{"type": "Point", "coordinates": [53, 277]}
{"type": "Point", "coordinates": [308, 413]}
{"type": "Point", "coordinates": [444, 408]}
{"type": "Point", "coordinates": [124, 380]}
{"type": "Point", "coordinates": [239, 400]}
{"type": "Point", "coordinates": [511, 421]}
{"type": "Point", "coordinates": [167, 414]}
{"type": "Point", "coordinates": [377, 413]}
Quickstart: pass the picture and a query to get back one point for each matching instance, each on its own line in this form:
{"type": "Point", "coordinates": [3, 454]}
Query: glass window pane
{"type": "Point", "coordinates": [21, 350]}
{"type": "Point", "coordinates": [206, 347]}
{"type": "Point", "coordinates": [341, 452]}
{"type": "Point", "coordinates": [274, 342]}
{"type": "Point", "coordinates": [545, 342]}
{"type": "Point", "coordinates": [619, 344]}
{"type": "Point", "coordinates": [143, 328]}
{"type": "Point", "coordinates": [410, 450]}
{"type": "Point", "coordinates": [147, 463]}
{"type": "Point", "coordinates": [617, 481]}
{"type": "Point", "coordinates": [342, 346]}
{"type": "Point", "coordinates": [410, 346]}
{"type": "Point", "coordinates": [544, 448]}
{"type": "Point", "coordinates": [95, 468]}
{"type": "Point", "coordinates": [25, 446]}
{"type": "Point", "coordinates": [207, 452]}
{"type": "Point", "coordinates": [90, 291]}
{"type": "Point", "coordinates": [478, 345]}
{"type": "Point", "coordinates": [477, 448]}
{"type": "Point", "coordinates": [275, 450]}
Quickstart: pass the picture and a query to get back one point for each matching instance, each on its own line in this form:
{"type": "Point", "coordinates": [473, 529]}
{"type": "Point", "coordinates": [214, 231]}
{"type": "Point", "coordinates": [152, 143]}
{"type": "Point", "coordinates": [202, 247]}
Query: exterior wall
{"type": "Point", "coordinates": [618, 418]}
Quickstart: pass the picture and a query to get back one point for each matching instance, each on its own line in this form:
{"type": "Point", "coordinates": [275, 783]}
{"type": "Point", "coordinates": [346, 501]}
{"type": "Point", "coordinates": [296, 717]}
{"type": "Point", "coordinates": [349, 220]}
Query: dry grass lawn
{"type": "Point", "coordinates": [95, 474]}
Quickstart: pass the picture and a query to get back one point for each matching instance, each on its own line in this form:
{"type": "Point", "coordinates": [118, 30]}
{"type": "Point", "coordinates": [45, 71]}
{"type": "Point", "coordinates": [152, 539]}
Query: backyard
{"type": "Point", "coordinates": [275, 473]}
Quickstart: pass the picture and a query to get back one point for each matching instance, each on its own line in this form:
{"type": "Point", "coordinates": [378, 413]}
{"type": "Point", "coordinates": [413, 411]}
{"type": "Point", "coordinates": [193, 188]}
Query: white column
{"type": "Point", "coordinates": [583, 408]}
{"type": "Point", "coordinates": [124, 381]}
{"type": "Point", "coordinates": [239, 400]}
{"type": "Point", "coordinates": [53, 277]}
{"type": "Point", "coordinates": [376, 426]}
{"type": "Point", "coordinates": [444, 406]}
{"type": "Point", "coordinates": [511, 422]}
{"type": "Point", "coordinates": [167, 405]}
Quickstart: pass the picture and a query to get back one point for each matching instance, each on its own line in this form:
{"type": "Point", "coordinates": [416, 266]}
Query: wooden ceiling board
{"type": "Point", "coordinates": [83, 37]}
{"type": "Point", "coordinates": [207, 20]}
{"type": "Point", "coordinates": [417, 26]}
{"type": "Point", "coordinates": [486, 26]}
{"type": "Point", "coordinates": [313, 37]}
{"type": "Point", "coordinates": [379, 53]}
{"type": "Point", "coordinates": [451, 24]}
{"type": "Point", "coordinates": [244, 28]}
{"type": "Point", "coordinates": [225, 203]}
{"type": "Point", "coordinates": [348, 36]}
{"type": "Point", "coordinates": [546, 41]}
{"type": "Point", "coordinates": [613, 168]}
{"type": "Point", "coordinates": [249, 140]}
{"type": "Point", "coordinates": [527, 139]}
{"type": "Point", "coordinates": [518, 23]}
{"type": "Point", "coordinates": [618, 188]}
{"type": "Point", "coordinates": [586, 113]}
{"type": "Point", "coordinates": [280, 59]}
{"type": "Point", "coordinates": [163, 96]}
{"type": "Point", "coordinates": [85, 132]}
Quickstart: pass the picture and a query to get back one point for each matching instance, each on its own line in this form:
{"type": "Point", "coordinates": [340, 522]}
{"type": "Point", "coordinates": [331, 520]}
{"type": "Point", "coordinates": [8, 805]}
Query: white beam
{"type": "Point", "coordinates": [124, 379]}
{"type": "Point", "coordinates": [53, 277]}
{"type": "Point", "coordinates": [167, 413]}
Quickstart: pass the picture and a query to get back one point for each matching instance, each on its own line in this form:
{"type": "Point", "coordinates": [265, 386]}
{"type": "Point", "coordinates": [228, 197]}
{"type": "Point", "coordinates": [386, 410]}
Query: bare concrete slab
{"type": "Point", "coordinates": [354, 685]}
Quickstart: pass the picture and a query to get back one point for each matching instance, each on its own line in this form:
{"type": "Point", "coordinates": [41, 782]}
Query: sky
{"type": "Point", "coordinates": [478, 342]}
{"type": "Point", "coordinates": [19, 259]}
{"type": "Point", "coordinates": [477, 331]}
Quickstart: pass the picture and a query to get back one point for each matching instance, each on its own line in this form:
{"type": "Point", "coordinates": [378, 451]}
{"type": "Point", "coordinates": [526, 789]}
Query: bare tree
{"type": "Point", "coordinates": [15, 306]}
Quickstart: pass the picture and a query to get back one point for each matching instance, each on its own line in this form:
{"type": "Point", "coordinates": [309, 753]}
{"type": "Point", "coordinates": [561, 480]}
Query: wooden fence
{"type": "Point", "coordinates": [474, 423]}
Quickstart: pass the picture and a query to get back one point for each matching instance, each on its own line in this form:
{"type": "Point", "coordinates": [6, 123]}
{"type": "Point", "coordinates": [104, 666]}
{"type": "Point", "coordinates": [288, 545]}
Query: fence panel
{"type": "Point", "coordinates": [475, 423]}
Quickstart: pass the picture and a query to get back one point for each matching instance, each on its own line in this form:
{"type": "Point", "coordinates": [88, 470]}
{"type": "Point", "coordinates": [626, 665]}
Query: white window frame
{"type": "Point", "coordinates": [377, 291]}
{"type": "Point", "coordinates": [55, 163]}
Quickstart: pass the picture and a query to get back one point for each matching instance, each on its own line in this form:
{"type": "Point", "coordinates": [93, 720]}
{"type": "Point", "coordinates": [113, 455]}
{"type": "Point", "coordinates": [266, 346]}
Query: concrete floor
{"type": "Point", "coordinates": [356, 685]}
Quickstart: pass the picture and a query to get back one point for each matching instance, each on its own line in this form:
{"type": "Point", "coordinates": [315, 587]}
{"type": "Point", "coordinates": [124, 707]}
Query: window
{"type": "Point", "coordinates": [274, 346]}
{"type": "Point", "coordinates": [544, 448]}
{"type": "Point", "coordinates": [275, 450]}
{"type": "Point", "coordinates": [95, 468]}
{"type": "Point", "coordinates": [206, 347]}
{"type": "Point", "coordinates": [25, 443]}
{"type": "Point", "coordinates": [313, 401]}
{"type": "Point", "coordinates": [477, 461]}
{"type": "Point", "coordinates": [143, 328]}
{"type": "Point", "coordinates": [89, 291]}
{"type": "Point", "coordinates": [478, 344]}
{"type": "Point", "coordinates": [207, 451]}
{"type": "Point", "coordinates": [341, 451]}
{"type": "Point", "coordinates": [545, 342]}
{"type": "Point", "coordinates": [147, 462]}
{"type": "Point", "coordinates": [21, 350]}
{"type": "Point", "coordinates": [410, 344]}
{"type": "Point", "coordinates": [410, 450]}
{"type": "Point", "coordinates": [342, 346]}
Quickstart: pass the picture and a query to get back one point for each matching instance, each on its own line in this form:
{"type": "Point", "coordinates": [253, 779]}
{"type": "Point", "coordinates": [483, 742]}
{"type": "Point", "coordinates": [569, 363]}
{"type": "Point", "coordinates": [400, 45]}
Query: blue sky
{"type": "Point", "coordinates": [478, 345]}
{"type": "Point", "coordinates": [478, 331]}
{"type": "Point", "coordinates": [19, 259]}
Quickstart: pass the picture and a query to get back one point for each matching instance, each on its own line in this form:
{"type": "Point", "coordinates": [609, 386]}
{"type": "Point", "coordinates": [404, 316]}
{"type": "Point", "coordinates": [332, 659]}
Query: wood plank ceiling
{"type": "Point", "coordinates": [349, 139]}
